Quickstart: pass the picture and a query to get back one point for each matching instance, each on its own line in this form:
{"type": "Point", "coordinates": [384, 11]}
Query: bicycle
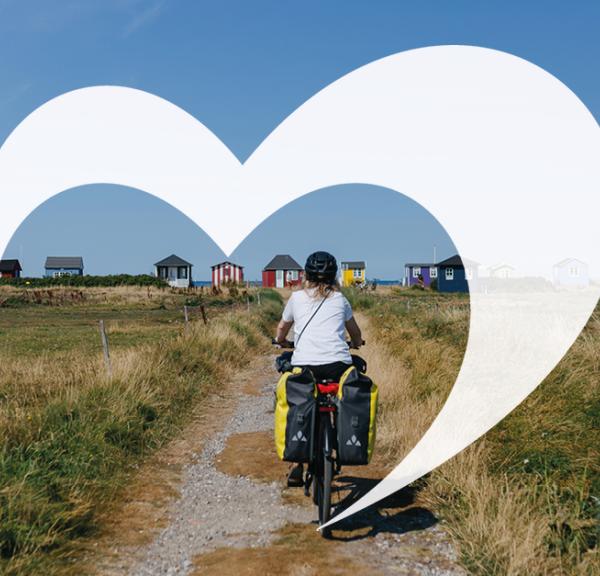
{"type": "Point", "coordinates": [323, 465]}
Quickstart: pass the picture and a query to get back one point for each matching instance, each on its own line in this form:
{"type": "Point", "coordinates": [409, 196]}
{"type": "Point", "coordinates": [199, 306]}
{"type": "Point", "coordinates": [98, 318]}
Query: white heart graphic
{"type": "Point", "coordinates": [498, 150]}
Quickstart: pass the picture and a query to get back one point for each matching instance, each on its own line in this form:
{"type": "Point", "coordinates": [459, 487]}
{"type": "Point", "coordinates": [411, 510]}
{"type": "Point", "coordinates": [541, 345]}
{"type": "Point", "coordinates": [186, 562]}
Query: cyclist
{"type": "Point", "coordinates": [321, 314]}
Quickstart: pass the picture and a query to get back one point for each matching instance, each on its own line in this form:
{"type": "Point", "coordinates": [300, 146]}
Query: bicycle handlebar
{"type": "Point", "coordinates": [287, 344]}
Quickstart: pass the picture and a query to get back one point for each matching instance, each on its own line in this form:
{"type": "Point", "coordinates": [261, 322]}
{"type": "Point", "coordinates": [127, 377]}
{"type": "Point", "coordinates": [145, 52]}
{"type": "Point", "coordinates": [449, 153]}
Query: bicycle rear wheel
{"type": "Point", "coordinates": [323, 479]}
{"type": "Point", "coordinates": [325, 504]}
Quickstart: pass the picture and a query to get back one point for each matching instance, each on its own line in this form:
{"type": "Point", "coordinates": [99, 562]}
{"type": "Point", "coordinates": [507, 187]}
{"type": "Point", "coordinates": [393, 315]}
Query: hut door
{"type": "Point", "coordinates": [279, 278]}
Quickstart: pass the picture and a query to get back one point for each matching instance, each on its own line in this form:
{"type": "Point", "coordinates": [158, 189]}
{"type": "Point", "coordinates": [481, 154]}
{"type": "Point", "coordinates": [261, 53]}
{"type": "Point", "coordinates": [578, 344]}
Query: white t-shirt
{"type": "Point", "coordinates": [324, 340]}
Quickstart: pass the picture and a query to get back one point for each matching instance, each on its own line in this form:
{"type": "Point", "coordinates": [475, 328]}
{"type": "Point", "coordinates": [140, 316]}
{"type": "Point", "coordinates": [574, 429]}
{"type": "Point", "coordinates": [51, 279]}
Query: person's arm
{"type": "Point", "coordinates": [354, 332]}
{"type": "Point", "coordinates": [287, 319]}
{"type": "Point", "coordinates": [282, 330]}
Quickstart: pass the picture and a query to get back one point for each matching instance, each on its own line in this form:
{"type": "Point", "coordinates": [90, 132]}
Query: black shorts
{"type": "Point", "coordinates": [332, 371]}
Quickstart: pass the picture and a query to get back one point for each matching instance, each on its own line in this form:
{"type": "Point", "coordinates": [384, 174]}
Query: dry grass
{"type": "Point", "coordinates": [139, 296]}
{"type": "Point", "coordinates": [525, 499]}
{"type": "Point", "coordinates": [63, 295]}
{"type": "Point", "coordinates": [71, 434]}
{"type": "Point", "coordinates": [499, 525]}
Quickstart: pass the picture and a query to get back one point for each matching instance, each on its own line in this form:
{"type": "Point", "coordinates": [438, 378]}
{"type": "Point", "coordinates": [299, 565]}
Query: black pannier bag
{"type": "Point", "coordinates": [295, 411]}
{"type": "Point", "coordinates": [356, 414]}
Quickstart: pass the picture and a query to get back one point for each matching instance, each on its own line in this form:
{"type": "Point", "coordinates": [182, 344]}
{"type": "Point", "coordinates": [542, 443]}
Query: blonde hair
{"type": "Point", "coordinates": [321, 289]}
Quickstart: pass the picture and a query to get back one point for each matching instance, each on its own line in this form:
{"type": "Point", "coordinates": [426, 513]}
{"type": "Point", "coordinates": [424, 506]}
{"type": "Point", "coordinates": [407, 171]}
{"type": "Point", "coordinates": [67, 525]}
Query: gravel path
{"type": "Point", "coordinates": [216, 510]}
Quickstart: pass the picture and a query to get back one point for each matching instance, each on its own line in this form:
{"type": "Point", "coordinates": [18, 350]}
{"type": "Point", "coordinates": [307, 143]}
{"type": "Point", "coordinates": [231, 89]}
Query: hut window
{"type": "Point", "coordinates": [357, 273]}
{"type": "Point", "coordinates": [573, 271]}
{"type": "Point", "coordinates": [416, 271]}
{"type": "Point", "coordinates": [182, 272]}
{"type": "Point", "coordinates": [292, 274]}
{"type": "Point", "coordinates": [432, 272]}
{"type": "Point", "coordinates": [449, 273]}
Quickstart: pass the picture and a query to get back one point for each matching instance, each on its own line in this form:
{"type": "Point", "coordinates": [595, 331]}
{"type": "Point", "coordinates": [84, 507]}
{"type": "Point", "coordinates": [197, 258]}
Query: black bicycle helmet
{"type": "Point", "coordinates": [321, 267]}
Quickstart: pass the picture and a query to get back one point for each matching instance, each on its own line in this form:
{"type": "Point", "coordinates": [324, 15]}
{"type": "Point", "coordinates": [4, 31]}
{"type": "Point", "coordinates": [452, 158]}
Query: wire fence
{"type": "Point", "coordinates": [190, 313]}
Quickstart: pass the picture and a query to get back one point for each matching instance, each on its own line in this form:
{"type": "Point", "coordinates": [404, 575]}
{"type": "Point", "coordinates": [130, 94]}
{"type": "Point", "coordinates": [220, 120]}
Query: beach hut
{"type": "Point", "coordinates": [570, 273]}
{"type": "Point", "coordinates": [59, 266]}
{"type": "Point", "coordinates": [10, 269]}
{"type": "Point", "coordinates": [353, 273]}
{"type": "Point", "coordinates": [420, 274]}
{"type": "Point", "coordinates": [175, 270]}
{"type": "Point", "coordinates": [455, 273]}
{"type": "Point", "coordinates": [282, 271]}
{"type": "Point", "coordinates": [504, 271]}
{"type": "Point", "coordinates": [227, 273]}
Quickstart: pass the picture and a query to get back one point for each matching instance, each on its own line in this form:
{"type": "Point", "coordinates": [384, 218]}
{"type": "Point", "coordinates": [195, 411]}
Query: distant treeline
{"type": "Point", "coordinates": [111, 280]}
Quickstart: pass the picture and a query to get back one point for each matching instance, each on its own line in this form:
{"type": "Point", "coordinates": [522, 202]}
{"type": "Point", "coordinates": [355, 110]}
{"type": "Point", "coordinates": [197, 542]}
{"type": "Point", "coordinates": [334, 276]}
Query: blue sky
{"type": "Point", "coordinates": [127, 239]}
{"type": "Point", "coordinates": [241, 67]}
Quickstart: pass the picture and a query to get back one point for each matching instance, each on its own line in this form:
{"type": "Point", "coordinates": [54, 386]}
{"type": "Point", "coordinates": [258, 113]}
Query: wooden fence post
{"type": "Point", "coordinates": [204, 319]}
{"type": "Point", "coordinates": [248, 301]}
{"type": "Point", "coordinates": [258, 297]}
{"type": "Point", "coordinates": [105, 348]}
{"type": "Point", "coordinates": [186, 318]}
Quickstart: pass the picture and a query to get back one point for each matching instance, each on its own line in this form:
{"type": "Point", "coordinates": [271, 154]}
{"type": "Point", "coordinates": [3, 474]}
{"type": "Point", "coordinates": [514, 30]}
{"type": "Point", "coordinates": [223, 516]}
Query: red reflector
{"type": "Point", "coordinates": [331, 388]}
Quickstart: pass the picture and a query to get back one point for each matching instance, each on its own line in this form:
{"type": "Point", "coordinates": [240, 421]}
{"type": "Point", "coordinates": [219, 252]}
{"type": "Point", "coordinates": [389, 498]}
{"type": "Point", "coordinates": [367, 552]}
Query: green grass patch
{"type": "Point", "coordinates": [541, 462]}
{"type": "Point", "coordinates": [71, 435]}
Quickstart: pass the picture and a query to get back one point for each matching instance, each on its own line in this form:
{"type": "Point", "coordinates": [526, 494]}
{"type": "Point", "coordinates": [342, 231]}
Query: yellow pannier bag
{"type": "Point", "coordinates": [295, 411]}
{"type": "Point", "coordinates": [357, 399]}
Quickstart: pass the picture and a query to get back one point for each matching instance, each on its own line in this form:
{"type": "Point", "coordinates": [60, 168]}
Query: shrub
{"type": "Point", "coordinates": [358, 299]}
{"type": "Point", "coordinates": [90, 281]}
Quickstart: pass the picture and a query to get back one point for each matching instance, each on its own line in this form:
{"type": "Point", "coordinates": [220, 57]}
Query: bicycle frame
{"type": "Point", "coordinates": [326, 425]}
{"type": "Point", "coordinates": [320, 469]}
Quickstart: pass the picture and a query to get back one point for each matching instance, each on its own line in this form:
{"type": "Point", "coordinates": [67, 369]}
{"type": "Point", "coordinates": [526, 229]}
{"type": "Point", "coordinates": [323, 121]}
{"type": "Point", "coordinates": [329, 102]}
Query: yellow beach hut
{"type": "Point", "coordinates": [353, 273]}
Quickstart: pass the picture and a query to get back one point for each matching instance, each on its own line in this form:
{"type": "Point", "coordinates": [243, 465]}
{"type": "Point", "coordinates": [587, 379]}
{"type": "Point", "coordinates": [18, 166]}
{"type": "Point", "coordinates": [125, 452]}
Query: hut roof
{"type": "Point", "coordinates": [172, 260]}
{"type": "Point", "coordinates": [283, 262]}
{"type": "Point", "coordinates": [64, 262]}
